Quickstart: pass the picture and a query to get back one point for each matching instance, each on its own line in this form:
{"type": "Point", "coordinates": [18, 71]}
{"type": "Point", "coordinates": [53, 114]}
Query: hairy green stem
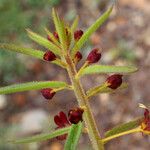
{"type": "Point", "coordinates": [83, 102]}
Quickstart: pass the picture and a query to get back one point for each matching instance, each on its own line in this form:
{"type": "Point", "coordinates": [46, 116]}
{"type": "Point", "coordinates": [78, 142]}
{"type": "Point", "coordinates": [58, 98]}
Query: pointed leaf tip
{"type": "Point", "coordinates": [91, 30]}
{"type": "Point", "coordinates": [41, 137]}
{"type": "Point", "coordinates": [94, 69]}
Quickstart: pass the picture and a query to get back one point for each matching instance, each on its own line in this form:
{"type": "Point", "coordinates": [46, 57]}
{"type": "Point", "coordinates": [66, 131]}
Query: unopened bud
{"type": "Point", "coordinates": [75, 115]}
{"type": "Point", "coordinates": [114, 81]}
{"type": "Point", "coordinates": [78, 56]}
{"type": "Point", "coordinates": [94, 56]}
{"type": "Point", "coordinates": [49, 56]}
{"type": "Point", "coordinates": [78, 34]}
{"type": "Point", "coordinates": [49, 38]}
{"type": "Point", "coordinates": [56, 35]}
{"type": "Point", "coordinates": [48, 93]}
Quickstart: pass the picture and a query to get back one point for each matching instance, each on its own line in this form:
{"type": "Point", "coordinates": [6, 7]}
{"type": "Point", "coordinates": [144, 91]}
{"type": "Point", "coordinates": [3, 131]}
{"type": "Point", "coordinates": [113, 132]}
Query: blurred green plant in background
{"type": "Point", "coordinates": [4, 133]}
{"type": "Point", "coordinates": [123, 51]}
{"type": "Point", "coordinates": [12, 70]}
{"type": "Point", "coordinates": [15, 16]}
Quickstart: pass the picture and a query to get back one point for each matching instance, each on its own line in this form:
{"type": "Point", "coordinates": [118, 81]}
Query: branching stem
{"type": "Point", "coordinates": [83, 102]}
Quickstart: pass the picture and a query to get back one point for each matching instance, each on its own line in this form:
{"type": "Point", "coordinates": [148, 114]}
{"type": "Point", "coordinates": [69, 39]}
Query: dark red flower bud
{"type": "Point", "coordinates": [94, 56]}
{"type": "Point", "coordinates": [145, 125]}
{"type": "Point", "coordinates": [78, 56]}
{"type": "Point", "coordinates": [75, 115]}
{"type": "Point", "coordinates": [114, 81]}
{"type": "Point", "coordinates": [56, 35]}
{"type": "Point", "coordinates": [146, 114]}
{"type": "Point", "coordinates": [49, 56]}
{"type": "Point", "coordinates": [78, 34]}
{"type": "Point", "coordinates": [48, 93]}
{"type": "Point", "coordinates": [66, 30]}
{"type": "Point", "coordinates": [49, 38]}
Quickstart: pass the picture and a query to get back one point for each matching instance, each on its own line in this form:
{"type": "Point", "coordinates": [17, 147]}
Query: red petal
{"type": "Point", "coordinates": [63, 118]}
{"type": "Point", "coordinates": [146, 114]}
{"type": "Point", "coordinates": [62, 137]}
{"type": "Point", "coordinates": [58, 121]}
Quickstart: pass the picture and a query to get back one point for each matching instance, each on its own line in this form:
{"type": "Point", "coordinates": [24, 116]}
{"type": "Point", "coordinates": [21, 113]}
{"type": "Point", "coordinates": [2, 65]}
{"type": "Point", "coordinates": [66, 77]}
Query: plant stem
{"type": "Point", "coordinates": [105, 140]}
{"type": "Point", "coordinates": [83, 102]}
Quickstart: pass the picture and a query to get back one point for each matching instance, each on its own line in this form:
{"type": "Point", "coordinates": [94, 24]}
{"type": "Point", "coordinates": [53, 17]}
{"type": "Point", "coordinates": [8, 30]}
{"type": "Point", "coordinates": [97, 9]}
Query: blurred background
{"type": "Point", "coordinates": [124, 39]}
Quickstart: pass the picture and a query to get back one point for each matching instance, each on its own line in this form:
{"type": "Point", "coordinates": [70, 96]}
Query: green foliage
{"type": "Point", "coordinates": [74, 24]}
{"type": "Point", "coordinates": [54, 2]}
{"type": "Point", "coordinates": [103, 69]}
{"type": "Point", "coordinates": [62, 47]}
{"type": "Point", "coordinates": [5, 132]}
{"type": "Point", "coordinates": [16, 15]}
{"type": "Point", "coordinates": [41, 137]}
{"type": "Point", "coordinates": [31, 86]}
{"type": "Point", "coordinates": [73, 136]}
{"type": "Point", "coordinates": [124, 127]}
{"type": "Point", "coordinates": [14, 67]}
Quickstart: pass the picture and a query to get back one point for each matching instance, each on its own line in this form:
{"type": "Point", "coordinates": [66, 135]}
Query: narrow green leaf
{"type": "Point", "coordinates": [108, 69]}
{"type": "Point", "coordinates": [124, 127]}
{"type": "Point", "coordinates": [90, 30]}
{"type": "Point", "coordinates": [44, 42]}
{"type": "Point", "coordinates": [74, 24]}
{"type": "Point", "coordinates": [72, 30]}
{"type": "Point", "coordinates": [41, 137]}
{"type": "Point", "coordinates": [104, 89]}
{"type": "Point", "coordinates": [60, 28]}
{"type": "Point", "coordinates": [73, 136]}
{"type": "Point", "coordinates": [29, 51]}
{"type": "Point", "coordinates": [31, 86]}
{"type": "Point", "coordinates": [23, 50]}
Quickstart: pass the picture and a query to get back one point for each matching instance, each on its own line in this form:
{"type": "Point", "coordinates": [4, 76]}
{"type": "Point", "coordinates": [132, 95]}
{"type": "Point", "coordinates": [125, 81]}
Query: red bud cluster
{"type": "Point", "coordinates": [61, 120]}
